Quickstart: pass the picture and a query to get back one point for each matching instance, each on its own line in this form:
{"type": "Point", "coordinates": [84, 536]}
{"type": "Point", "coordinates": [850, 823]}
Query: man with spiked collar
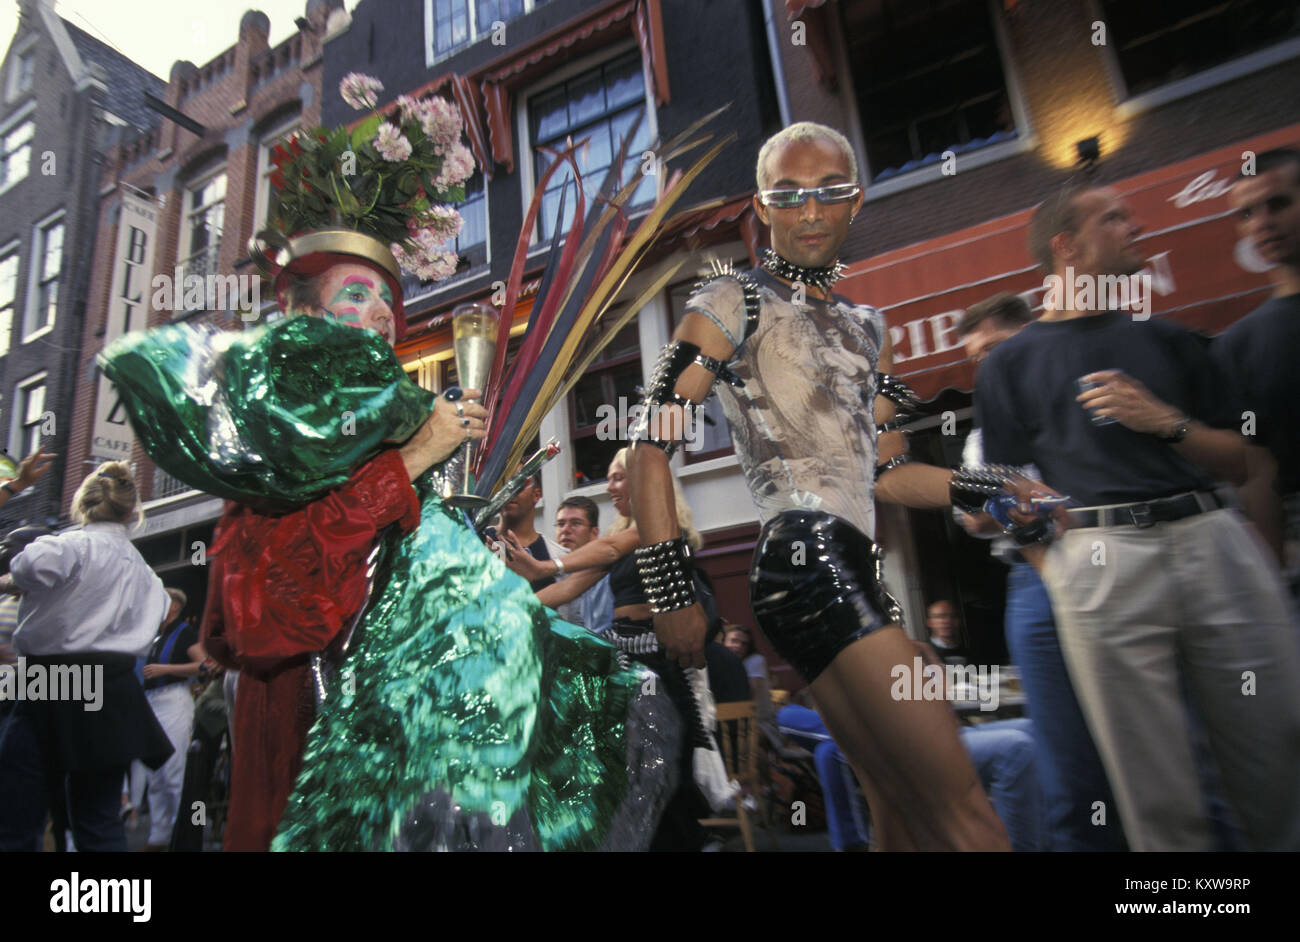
{"type": "Point", "coordinates": [804, 371]}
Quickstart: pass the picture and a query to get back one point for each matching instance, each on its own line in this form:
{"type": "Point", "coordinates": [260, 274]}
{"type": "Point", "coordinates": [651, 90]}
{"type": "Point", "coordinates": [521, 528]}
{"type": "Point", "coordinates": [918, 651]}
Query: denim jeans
{"type": "Point", "coordinates": [1069, 769]}
{"type": "Point", "coordinates": [1002, 753]}
{"type": "Point", "coordinates": [28, 787]}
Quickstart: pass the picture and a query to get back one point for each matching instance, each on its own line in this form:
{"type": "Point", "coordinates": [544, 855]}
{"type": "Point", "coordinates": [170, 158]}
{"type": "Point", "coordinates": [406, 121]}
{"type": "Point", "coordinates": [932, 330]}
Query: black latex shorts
{"type": "Point", "coordinates": [816, 587]}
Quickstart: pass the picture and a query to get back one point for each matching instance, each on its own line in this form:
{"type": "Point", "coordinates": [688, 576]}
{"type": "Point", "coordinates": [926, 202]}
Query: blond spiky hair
{"type": "Point", "coordinates": [808, 132]}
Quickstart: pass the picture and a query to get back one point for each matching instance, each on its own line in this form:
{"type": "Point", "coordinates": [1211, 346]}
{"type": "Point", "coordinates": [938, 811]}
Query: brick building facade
{"type": "Point", "coordinates": [203, 171]}
{"type": "Point", "coordinates": [67, 98]}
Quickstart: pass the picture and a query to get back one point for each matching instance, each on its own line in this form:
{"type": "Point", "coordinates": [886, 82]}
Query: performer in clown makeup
{"type": "Point", "coordinates": [285, 586]}
{"type": "Point", "coordinates": [400, 688]}
{"type": "Point", "coordinates": [354, 295]}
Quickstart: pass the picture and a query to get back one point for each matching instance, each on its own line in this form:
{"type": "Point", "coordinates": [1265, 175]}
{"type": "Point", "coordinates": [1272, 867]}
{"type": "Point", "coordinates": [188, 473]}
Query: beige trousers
{"type": "Point", "coordinates": [1199, 600]}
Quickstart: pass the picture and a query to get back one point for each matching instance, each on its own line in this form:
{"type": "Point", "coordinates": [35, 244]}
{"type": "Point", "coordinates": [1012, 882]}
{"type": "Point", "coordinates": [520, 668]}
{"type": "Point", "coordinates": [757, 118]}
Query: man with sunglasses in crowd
{"type": "Point", "coordinates": [800, 369]}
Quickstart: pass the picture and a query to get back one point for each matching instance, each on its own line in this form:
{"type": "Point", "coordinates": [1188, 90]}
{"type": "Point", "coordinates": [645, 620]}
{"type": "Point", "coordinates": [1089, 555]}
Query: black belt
{"type": "Point", "coordinates": [1145, 514]}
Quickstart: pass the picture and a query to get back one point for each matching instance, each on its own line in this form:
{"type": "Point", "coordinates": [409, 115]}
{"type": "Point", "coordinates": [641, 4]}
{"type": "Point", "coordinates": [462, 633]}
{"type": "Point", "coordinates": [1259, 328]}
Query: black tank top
{"type": "Point", "coordinates": [625, 582]}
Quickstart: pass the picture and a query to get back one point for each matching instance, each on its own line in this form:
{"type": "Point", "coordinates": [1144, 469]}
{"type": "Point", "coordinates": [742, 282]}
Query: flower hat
{"type": "Point", "coordinates": [383, 193]}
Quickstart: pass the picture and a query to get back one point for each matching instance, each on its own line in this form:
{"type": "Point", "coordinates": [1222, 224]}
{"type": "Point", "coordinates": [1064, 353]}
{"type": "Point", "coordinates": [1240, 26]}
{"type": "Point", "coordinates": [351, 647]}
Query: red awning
{"type": "Point", "coordinates": [686, 226]}
{"type": "Point", "coordinates": [793, 8]}
{"type": "Point", "coordinates": [1201, 276]}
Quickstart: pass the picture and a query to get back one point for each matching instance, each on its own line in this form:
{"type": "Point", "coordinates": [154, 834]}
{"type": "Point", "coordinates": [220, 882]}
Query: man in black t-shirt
{"type": "Point", "coordinates": [1260, 351]}
{"type": "Point", "coordinates": [1158, 583]}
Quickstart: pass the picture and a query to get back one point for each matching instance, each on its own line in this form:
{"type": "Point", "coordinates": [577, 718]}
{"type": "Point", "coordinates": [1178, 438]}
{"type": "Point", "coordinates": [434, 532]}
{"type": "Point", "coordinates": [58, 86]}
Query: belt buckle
{"type": "Point", "coordinates": [1141, 514]}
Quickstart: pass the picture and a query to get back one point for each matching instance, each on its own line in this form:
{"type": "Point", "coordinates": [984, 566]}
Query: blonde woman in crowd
{"type": "Point", "coordinates": [633, 633]}
{"type": "Point", "coordinates": [90, 606]}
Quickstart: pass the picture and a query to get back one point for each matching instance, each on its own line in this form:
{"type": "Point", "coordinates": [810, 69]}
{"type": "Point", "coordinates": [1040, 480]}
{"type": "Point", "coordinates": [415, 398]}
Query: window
{"type": "Point", "coordinates": [922, 90]}
{"type": "Point", "coordinates": [710, 437]}
{"type": "Point", "coordinates": [29, 406]}
{"type": "Point", "coordinates": [24, 71]}
{"type": "Point", "coordinates": [164, 485]}
{"type": "Point", "coordinates": [265, 192]}
{"type": "Point", "coordinates": [17, 154]}
{"type": "Point", "coordinates": [8, 295]}
{"type": "Point", "coordinates": [472, 241]}
{"type": "Point", "coordinates": [1161, 41]}
{"type": "Point", "coordinates": [450, 24]}
{"type": "Point", "coordinates": [471, 245]}
{"type": "Point", "coordinates": [600, 404]}
{"type": "Point", "coordinates": [47, 260]}
{"type": "Point", "coordinates": [205, 206]}
{"type": "Point", "coordinates": [601, 105]}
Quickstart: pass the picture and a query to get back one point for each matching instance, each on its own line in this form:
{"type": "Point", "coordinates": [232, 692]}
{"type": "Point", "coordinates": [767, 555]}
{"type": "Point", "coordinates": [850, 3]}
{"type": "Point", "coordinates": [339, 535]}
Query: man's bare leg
{"type": "Point", "coordinates": [909, 749]}
{"type": "Point", "coordinates": [889, 830]}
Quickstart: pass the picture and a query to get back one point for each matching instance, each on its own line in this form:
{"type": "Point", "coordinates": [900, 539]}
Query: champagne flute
{"type": "Point", "coordinates": [474, 341]}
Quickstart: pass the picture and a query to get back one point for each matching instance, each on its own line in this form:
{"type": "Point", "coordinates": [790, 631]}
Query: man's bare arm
{"type": "Point", "coordinates": [913, 484]}
{"type": "Point", "coordinates": [650, 485]}
{"type": "Point", "coordinates": [569, 588]}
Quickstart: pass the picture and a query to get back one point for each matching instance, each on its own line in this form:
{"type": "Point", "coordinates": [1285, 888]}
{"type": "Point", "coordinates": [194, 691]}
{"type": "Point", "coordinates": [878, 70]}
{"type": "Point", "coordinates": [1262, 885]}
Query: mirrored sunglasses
{"type": "Point", "coordinates": [790, 198]}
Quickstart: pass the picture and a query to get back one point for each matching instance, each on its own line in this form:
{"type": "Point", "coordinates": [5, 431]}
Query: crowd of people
{"type": "Point", "coordinates": [404, 683]}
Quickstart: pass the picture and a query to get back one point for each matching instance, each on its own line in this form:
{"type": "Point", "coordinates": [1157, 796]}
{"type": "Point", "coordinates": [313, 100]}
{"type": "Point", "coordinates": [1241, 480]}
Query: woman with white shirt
{"type": "Point", "coordinates": [90, 606]}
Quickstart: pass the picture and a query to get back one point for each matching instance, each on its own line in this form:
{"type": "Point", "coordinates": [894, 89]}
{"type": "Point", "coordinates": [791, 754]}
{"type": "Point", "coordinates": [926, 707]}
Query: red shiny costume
{"type": "Point", "coordinates": [281, 588]}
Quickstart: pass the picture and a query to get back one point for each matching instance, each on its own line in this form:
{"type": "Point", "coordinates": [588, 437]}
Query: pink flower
{"type": "Point", "coordinates": [390, 143]}
{"type": "Point", "coordinates": [360, 91]}
{"type": "Point", "coordinates": [442, 122]}
{"type": "Point", "coordinates": [457, 167]}
{"type": "Point", "coordinates": [427, 265]}
{"type": "Point", "coordinates": [410, 108]}
{"type": "Point", "coordinates": [438, 266]}
{"type": "Point", "coordinates": [442, 223]}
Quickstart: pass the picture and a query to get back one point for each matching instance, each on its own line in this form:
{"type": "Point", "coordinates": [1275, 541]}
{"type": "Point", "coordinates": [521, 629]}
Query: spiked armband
{"type": "Point", "coordinates": [661, 390]}
{"type": "Point", "coordinates": [748, 287]}
{"type": "Point", "coordinates": [971, 488]}
{"type": "Point", "coordinates": [667, 575]}
{"type": "Point", "coordinates": [901, 395]}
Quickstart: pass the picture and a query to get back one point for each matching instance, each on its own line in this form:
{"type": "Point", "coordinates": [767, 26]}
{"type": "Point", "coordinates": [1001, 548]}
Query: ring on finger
{"type": "Point", "coordinates": [460, 411]}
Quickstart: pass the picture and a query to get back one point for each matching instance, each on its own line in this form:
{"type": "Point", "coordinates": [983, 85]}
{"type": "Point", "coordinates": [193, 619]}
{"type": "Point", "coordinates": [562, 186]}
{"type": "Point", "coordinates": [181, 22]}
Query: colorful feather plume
{"type": "Point", "coordinates": [571, 321]}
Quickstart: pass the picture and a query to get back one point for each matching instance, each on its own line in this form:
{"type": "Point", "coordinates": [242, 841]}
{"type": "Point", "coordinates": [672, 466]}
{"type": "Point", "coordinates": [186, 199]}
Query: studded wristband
{"type": "Point", "coordinates": [970, 488]}
{"type": "Point", "coordinates": [666, 575]}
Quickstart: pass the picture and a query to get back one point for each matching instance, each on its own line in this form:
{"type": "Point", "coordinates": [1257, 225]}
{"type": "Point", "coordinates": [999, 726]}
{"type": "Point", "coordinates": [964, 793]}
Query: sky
{"type": "Point", "coordinates": [155, 33]}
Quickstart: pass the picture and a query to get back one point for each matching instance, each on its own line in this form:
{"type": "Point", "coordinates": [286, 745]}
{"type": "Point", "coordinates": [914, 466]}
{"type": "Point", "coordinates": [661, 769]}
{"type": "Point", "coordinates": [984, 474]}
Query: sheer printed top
{"type": "Point", "coordinates": [802, 424]}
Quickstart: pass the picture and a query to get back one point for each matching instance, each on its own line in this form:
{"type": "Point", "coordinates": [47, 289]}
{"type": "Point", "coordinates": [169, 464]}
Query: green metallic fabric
{"type": "Point", "coordinates": [468, 717]}
{"type": "Point", "coordinates": [273, 416]}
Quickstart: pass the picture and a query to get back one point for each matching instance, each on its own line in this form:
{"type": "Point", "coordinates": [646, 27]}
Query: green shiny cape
{"type": "Point", "coordinates": [273, 416]}
{"type": "Point", "coordinates": [467, 716]}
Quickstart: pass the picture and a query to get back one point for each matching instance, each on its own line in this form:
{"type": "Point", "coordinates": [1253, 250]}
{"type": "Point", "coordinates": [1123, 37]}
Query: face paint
{"type": "Point", "coordinates": [356, 298]}
{"type": "Point", "coordinates": [348, 316]}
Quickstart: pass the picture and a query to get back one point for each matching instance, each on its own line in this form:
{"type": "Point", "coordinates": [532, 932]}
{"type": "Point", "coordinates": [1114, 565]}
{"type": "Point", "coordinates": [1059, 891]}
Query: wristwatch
{"type": "Point", "coordinates": [1181, 427]}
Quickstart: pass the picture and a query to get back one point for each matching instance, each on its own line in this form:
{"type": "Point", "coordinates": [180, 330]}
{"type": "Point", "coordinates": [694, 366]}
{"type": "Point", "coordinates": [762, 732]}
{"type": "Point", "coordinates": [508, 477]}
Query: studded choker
{"type": "Point", "coordinates": [821, 278]}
